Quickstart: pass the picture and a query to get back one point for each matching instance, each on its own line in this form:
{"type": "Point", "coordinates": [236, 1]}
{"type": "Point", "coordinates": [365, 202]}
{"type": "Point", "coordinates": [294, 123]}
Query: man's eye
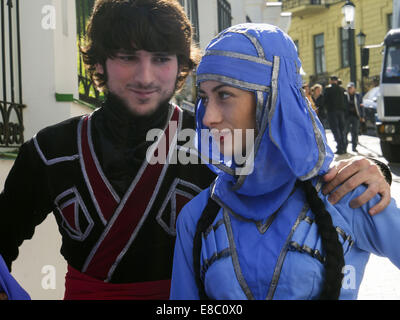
{"type": "Point", "coordinates": [162, 59]}
{"type": "Point", "coordinates": [126, 58]}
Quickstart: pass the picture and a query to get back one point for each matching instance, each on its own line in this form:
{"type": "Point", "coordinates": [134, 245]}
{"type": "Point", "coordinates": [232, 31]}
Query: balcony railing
{"type": "Point", "coordinates": [11, 105]}
{"type": "Point", "coordinates": [293, 4]}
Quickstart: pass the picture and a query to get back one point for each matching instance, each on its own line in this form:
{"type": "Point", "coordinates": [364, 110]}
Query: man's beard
{"type": "Point", "coordinates": [125, 104]}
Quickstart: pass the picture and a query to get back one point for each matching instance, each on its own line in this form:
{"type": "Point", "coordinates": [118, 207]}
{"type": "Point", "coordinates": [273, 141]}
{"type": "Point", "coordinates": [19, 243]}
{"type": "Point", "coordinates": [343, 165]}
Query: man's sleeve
{"type": "Point", "coordinates": [23, 203]}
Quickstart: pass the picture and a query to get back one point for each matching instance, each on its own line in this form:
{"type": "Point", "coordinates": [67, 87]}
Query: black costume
{"type": "Point", "coordinates": [115, 211]}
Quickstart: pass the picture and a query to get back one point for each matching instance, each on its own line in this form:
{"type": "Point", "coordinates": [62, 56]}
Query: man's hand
{"type": "Point", "coordinates": [3, 296]}
{"type": "Point", "coordinates": [352, 173]}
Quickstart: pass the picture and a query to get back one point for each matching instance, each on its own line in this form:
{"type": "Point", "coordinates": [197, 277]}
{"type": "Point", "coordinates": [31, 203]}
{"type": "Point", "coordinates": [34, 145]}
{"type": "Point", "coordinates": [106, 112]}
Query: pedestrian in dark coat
{"type": "Point", "coordinates": [334, 100]}
{"type": "Point", "coordinates": [355, 113]}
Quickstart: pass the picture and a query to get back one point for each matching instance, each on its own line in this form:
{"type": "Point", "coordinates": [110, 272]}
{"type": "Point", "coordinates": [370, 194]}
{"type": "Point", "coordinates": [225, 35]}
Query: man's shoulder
{"type": "Point", "coordinates": [58, 140]}
{"type": "Point", "coordinates": [60, 127]}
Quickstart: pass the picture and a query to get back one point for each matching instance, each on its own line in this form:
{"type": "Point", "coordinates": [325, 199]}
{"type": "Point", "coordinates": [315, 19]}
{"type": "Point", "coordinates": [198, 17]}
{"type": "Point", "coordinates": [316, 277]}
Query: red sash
{"type": "Point", "coordinates": [79, 286]}
{"type": "Point", "coordinates": [122, 218]}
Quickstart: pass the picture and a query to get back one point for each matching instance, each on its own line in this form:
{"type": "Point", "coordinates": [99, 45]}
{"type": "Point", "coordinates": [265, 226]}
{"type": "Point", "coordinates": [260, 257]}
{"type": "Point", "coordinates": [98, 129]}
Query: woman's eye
{"type": "Point", "coordinates": [224, 95]}
{"type": "Point", "coordinates": [203, 99]}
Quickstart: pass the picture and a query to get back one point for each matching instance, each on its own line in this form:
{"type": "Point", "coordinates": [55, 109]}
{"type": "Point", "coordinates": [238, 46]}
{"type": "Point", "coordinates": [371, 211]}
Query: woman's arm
{"type": "Point", "coordinates": [183, 284]}
{"type": "Point", "coordinates": [378, 234]}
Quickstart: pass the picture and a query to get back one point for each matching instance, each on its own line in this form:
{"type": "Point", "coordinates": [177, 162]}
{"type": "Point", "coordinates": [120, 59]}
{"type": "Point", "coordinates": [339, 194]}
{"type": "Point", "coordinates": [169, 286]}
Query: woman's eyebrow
{"type": "Point", "coordinates": [215, 88]}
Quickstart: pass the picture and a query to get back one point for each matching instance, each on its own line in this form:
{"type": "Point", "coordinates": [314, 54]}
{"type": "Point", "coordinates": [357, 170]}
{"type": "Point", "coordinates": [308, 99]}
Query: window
{"type": "Point", "coordinates": [392, 64]}
{"type": "Point", "coordinates": [192, 11]}
{"type": "Point", "coordinates": [319, 54]}
{"type": "Point", "coordinates": [11, 105]}
{"type": "Point", "coordinates": [224, 15]}
{"type": "Point", "coordinates": [344, 47]}
{"type": "Point", "coordinates": [390, 21]}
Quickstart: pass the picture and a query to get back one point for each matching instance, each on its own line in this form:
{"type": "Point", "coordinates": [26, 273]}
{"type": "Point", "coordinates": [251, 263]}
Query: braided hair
{"type": "Point", "coordinates": [334, 258]}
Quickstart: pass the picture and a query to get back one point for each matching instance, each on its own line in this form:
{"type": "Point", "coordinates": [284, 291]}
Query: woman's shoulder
{"type": "Point", "coordinates": [192, 211]}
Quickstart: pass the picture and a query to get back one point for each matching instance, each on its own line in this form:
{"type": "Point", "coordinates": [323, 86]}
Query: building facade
{"type": "Point", "coordinates": [324, 46]}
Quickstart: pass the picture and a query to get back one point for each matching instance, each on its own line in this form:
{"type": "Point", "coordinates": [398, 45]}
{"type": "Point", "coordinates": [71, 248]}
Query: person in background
{"type": "Point", "coordinates": [334, 101]}
{"type": "Point", "coordinates": [355, 113]}
{"type": "Point", "coordinates": [308, 94]}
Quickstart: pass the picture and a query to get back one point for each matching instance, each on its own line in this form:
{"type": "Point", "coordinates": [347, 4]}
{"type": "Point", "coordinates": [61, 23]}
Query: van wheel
{"type": "Point", "coordinates": [391, 152]}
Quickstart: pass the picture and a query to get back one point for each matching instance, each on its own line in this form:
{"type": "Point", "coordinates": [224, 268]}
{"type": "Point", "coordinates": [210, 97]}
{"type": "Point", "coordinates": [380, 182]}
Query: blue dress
{"type": "Point", "coordinates": [264, 243]}
{"type": "Point", "coordinates": [234, 250]}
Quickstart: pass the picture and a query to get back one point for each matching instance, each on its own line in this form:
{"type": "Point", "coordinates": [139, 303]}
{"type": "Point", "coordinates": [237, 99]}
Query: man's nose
{"type": "Point", "coordinates": [213, 114]}
{"type": "Point", "coordinates": [144, 74]}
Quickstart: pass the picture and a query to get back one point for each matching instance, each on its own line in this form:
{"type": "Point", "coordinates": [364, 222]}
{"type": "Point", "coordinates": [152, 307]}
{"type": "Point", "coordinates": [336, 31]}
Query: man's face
{"type": "Point", "coordinates": [142, 79]}
{"type": "Point", "coordinates": [351, 90]}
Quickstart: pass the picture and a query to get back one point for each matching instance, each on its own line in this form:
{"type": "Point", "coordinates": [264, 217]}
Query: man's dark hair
{"type": "Point", "coordinates": [130, 25]}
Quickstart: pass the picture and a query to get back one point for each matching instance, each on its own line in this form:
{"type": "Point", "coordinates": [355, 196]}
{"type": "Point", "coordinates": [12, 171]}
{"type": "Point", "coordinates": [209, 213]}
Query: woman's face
{"type": "Point", "coordinates": [230, 113]}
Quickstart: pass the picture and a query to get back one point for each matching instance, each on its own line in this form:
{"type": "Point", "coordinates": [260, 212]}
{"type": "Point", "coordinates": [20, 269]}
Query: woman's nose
{"type": "Point", "coordinates": [213, 114]}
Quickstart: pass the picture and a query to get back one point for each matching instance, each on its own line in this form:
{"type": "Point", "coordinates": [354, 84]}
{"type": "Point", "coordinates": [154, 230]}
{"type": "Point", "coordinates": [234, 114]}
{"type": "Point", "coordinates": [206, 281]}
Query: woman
{"type": "Point", "coordinates": [269, 233]}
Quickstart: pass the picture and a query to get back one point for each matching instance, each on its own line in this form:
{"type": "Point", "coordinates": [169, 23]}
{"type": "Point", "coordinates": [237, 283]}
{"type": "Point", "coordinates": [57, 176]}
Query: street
{"type": "Point", "coordinates": [381, 278]}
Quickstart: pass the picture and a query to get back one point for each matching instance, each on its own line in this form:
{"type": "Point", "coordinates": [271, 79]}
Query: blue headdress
{"type": "Point", "coordinates": [290, 142]}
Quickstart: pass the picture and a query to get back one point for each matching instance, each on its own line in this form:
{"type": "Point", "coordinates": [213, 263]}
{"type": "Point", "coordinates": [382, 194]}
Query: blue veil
{"type": "Point", "coordinates": [290, 143]}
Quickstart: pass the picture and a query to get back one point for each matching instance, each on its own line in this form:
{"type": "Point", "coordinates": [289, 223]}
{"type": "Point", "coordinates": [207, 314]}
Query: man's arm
{"type": "Point", "coordinates": [349, 174]}
{"type": "Point", "coordinates": [23, 202]}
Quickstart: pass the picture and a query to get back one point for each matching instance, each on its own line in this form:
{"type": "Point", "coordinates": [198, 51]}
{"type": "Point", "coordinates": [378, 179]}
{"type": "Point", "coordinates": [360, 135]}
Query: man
{"type": "Point", "coordinates": [355, 114]}
{"type": "Point", "coordinates": [335, 106]}
{"type": "Point", "coordinates": [116, 210]}
{"type": "Point", "coordinates": [318, 99]}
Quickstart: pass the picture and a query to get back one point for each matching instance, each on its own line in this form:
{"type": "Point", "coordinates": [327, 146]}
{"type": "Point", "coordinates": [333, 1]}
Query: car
{"type": "Point", "coordinates": [370, 102]}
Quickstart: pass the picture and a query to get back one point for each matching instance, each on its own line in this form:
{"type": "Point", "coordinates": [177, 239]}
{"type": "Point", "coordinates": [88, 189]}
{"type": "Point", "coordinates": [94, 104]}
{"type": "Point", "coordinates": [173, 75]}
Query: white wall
{"type": "Point", "coordinates": [254, 9]}
{"type": "Point", "coordinates": [65, 49]}
{"type": "Point", "coordinates": [238, 8]}
{"type": "Point", "coordinates": [49, 66]}
{"type": "Point", "coordinates": [42, 73]}
{"type": "Point", "coordinates": [208, 21]}
{"type": "Point", "coordinates": [34, 255]}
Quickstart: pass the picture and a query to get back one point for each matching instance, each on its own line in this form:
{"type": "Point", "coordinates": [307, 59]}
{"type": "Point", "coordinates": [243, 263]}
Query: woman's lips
{"type": "Point", "coordinates": [222, 135]}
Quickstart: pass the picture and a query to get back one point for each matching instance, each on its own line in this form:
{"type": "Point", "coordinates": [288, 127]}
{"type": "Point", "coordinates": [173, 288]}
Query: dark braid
{"type": "Point", "coordinates": [334, 261]}
{"type": "Point", "coordinates": [208, 216]}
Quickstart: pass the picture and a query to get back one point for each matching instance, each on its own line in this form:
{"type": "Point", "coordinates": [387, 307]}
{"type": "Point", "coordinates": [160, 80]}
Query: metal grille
{"type": "Point", "coordinates": [11, 105]}
{"type": "Point", "coordinates": [224, 15]}
{"type": "Point", "coordinates": [87, 89]}
{"type": "Point", "coordinates": [392, 106]}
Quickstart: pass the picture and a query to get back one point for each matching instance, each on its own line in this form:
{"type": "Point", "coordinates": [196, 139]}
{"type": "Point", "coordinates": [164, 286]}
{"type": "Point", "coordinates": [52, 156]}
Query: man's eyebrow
{"type": "Point", "coordinates": [126, 51]}
{"type": "Point", "coordinates": [162, 53]}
